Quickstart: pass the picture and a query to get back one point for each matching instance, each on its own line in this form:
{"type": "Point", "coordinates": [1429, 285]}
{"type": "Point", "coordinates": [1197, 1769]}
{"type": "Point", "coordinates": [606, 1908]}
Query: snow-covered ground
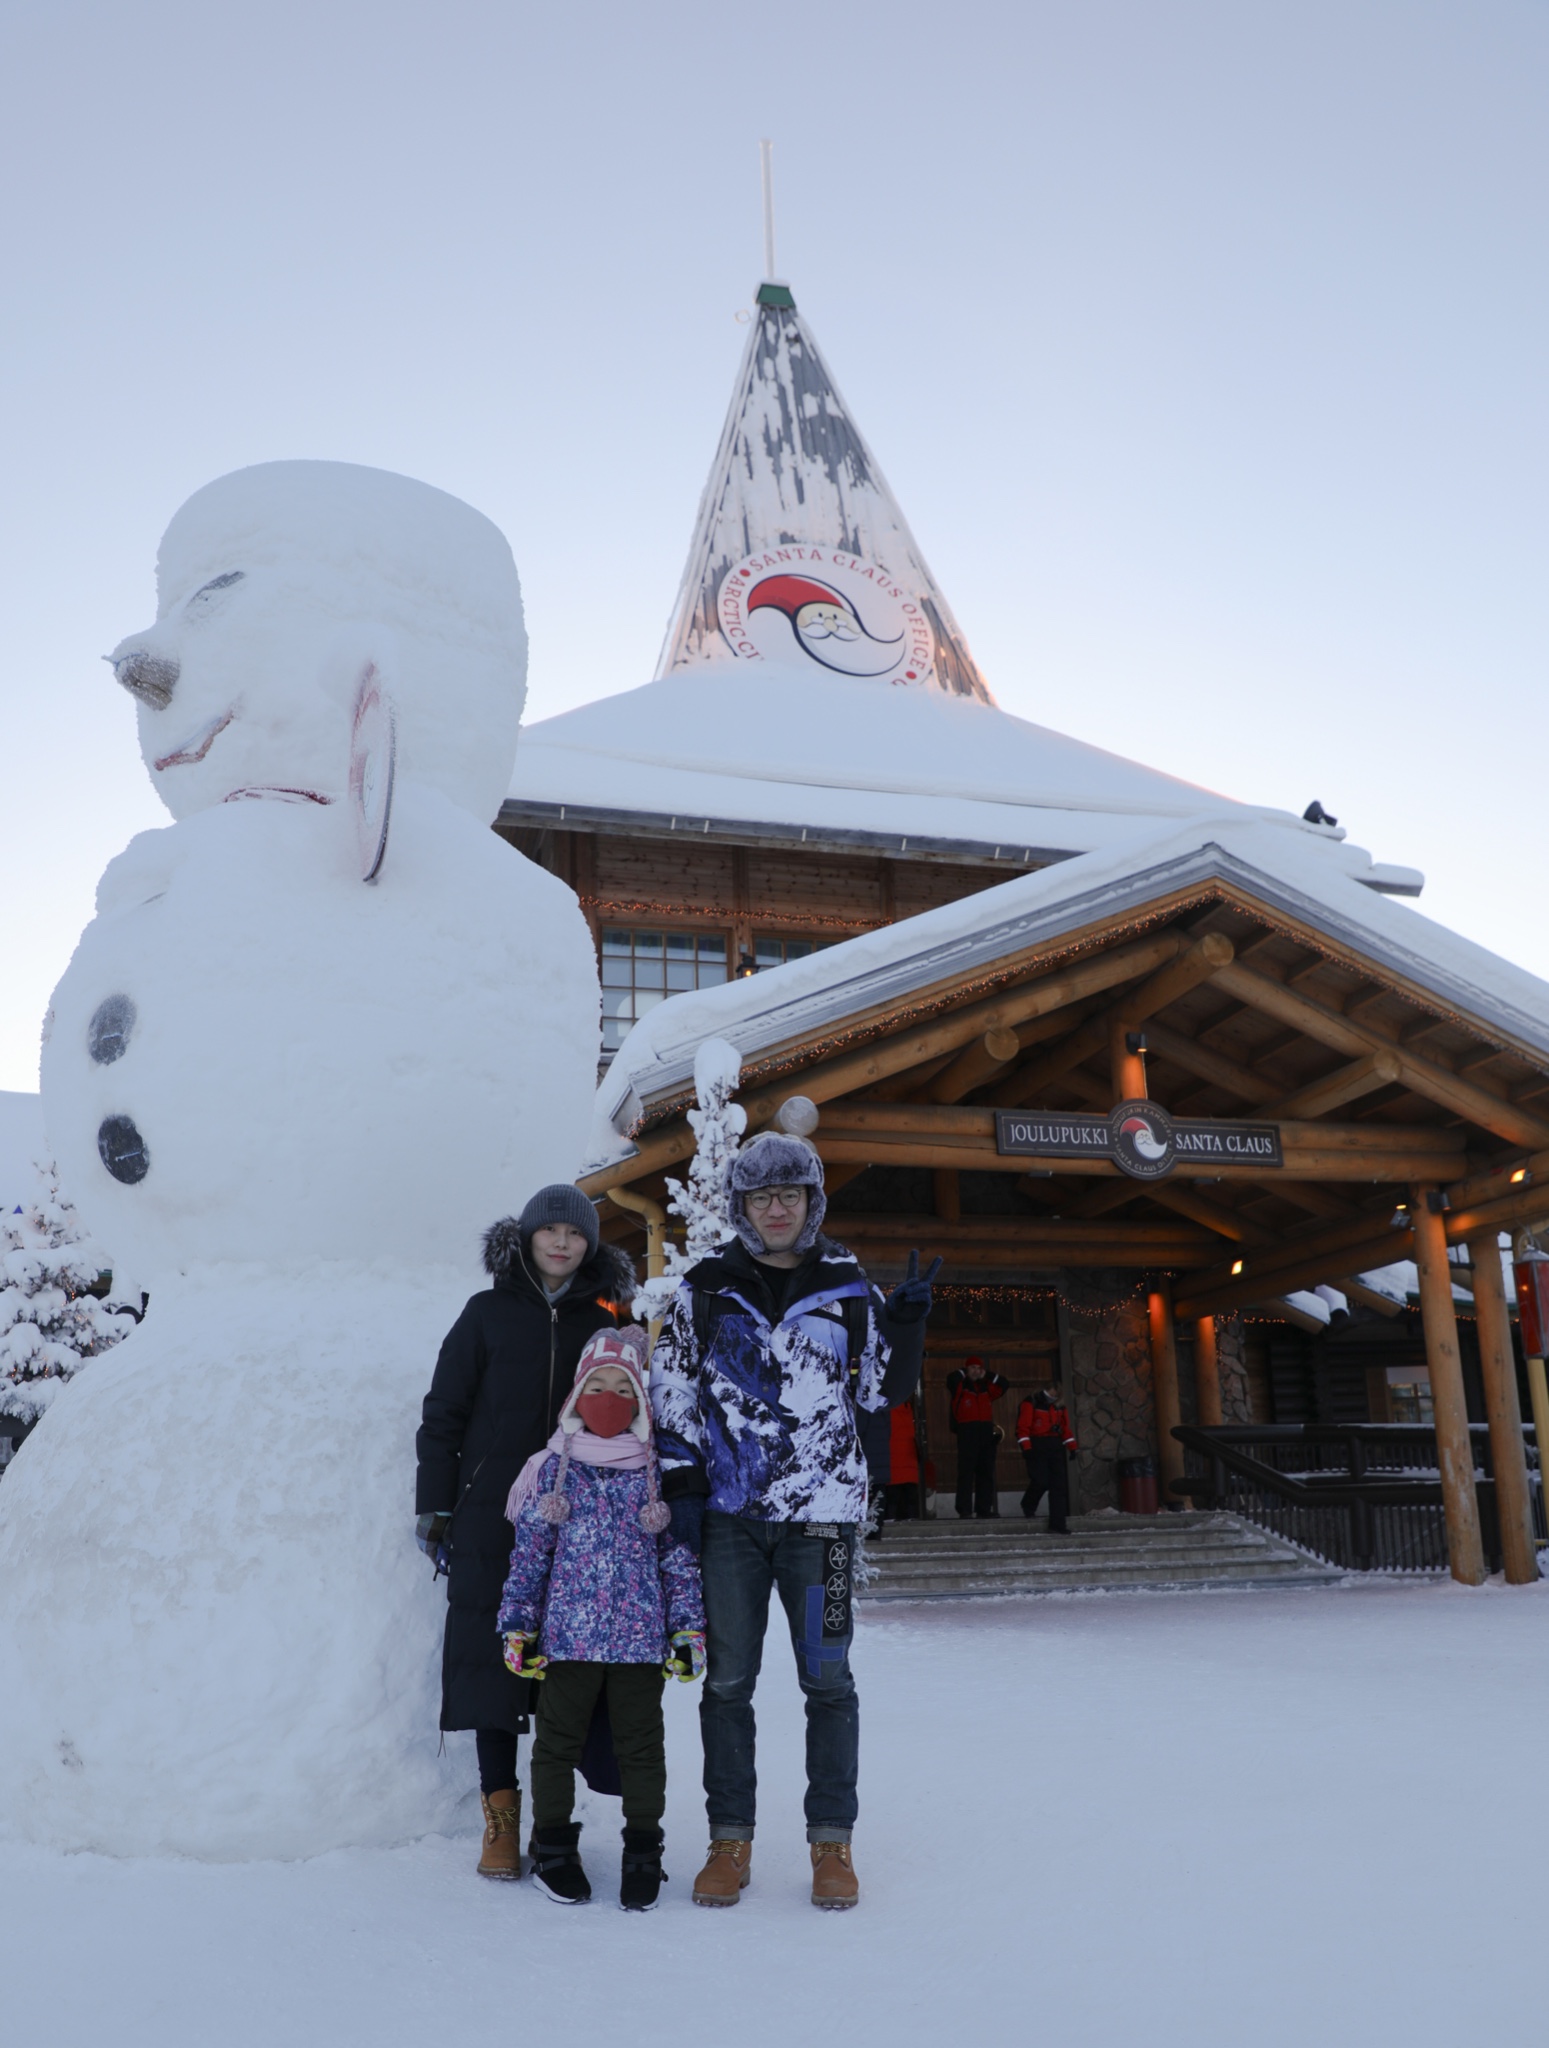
{"type": "Point", "coordinates": [1274, 1818]}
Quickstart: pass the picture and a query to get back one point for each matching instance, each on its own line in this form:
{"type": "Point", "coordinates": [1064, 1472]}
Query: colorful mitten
{"type": "Point", "coordinates": [523, 1660]}
{"type": "Point", "coordinates": [686, 1656]}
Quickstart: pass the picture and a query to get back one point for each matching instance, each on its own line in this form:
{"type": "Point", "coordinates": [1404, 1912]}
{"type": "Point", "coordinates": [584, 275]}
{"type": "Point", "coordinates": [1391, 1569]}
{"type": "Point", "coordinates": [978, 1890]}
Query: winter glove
{"type": "Point", "coordinates": [523, 1660]}
{"type": "Point", "coordinates": [686, 1656]}
{"type": "Point", "coordinates": [910, 1300]}
{"type": "Point", "coordinates": [430, 1535]}
{"type": "Point", "coordinates": [688, 1521]}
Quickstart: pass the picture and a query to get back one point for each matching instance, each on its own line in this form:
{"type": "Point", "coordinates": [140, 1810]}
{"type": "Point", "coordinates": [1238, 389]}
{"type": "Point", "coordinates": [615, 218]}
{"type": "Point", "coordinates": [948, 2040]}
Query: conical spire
{"type": "Point", "coordinates": [800, 552]}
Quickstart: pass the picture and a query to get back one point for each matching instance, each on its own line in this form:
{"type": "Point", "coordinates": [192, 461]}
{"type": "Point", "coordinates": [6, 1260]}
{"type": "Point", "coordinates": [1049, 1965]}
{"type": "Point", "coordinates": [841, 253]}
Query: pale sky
{"type": "Point", "coordinates": [1202, 341]}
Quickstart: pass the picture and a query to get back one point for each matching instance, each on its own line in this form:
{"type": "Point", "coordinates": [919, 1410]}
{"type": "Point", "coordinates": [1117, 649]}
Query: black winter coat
{"type": "Point", "coordinates": [504, 1371]}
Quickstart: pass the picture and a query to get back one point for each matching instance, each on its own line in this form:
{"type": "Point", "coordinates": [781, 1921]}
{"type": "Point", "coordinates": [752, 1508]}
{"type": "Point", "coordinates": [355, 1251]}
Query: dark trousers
{"type": "Point", "coordinates": [497, 1760]}
{"type": "Point", "coordinates": [743, 1562]}
{"type": "Point", "coordinates": [1047, 1473]}
{"type": "Point", "coordinates": [567, 1698]}
{"type": "Point", "coordinates": [903, 1502]}
{"type": "Point", "coordinates": [976, 1469]}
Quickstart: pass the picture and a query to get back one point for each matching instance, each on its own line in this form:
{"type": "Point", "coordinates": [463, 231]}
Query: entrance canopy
{"type": "Point", "coordinates": [1301, 1062]}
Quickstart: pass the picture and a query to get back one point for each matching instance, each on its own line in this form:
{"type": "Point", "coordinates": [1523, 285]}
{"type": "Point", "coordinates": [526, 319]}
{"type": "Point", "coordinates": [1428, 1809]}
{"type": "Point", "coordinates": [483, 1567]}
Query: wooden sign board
{"type": "Point", "coordinates": [1140, 1138]}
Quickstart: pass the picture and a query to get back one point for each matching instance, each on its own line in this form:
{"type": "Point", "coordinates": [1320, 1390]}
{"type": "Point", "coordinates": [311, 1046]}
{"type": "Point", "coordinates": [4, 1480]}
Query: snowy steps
{"type": "Point", "coordinates": [951, 1560]}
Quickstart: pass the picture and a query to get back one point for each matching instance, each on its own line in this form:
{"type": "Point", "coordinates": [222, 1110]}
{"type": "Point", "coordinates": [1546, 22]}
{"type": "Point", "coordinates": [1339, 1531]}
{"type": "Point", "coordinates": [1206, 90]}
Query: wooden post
{"type": "Point", "coordinates": [654, 1216]}
{"type": "Point", "coordinates": [1454, 1451]}
{"type": "Point", "coordinates": [1164, 1391]}
{"type": "Point", "coordinates": [1538, 1395]}
{"type": "Point", "coordinates": [1207, 1373]}
{"type": "Point", "coordinates": [949, 1201]}
{"type": "Point", "coordinates": [1129, 1068]}
{"type": "Point", "coordinates": [1513, 1501]}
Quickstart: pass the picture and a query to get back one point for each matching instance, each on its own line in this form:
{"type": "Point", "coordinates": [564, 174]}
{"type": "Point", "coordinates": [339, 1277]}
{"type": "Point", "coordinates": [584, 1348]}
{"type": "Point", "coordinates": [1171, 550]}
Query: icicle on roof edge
{"type": "Point", "coordinates": [793, 468]}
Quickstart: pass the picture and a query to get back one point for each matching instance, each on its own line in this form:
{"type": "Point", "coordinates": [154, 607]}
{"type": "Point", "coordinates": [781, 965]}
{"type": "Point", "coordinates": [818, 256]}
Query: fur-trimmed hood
{"type": "Point", "coordinates": [608, 1272]}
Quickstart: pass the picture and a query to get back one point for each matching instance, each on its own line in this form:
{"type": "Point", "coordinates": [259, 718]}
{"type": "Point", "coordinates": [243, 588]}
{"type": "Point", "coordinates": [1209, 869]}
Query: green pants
{"type": "Point", "coordinates": [566, 1700]}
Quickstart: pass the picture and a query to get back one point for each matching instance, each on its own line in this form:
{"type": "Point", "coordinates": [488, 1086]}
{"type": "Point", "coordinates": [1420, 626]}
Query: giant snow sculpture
{"type": "Point", "coordinates": [286, 1100]}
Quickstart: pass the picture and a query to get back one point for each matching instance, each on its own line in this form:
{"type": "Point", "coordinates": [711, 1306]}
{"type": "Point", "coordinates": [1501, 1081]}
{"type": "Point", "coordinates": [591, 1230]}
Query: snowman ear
{"type": "Point", "coordinates": [373, 767]}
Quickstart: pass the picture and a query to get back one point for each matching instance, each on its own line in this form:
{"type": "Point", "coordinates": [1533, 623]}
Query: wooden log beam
{"type": "Point", "coordinates": [975, 1064]}
{"type": "Point", "coordinates": [1017, 1258]}
{"type": "Point", "coordinates": [1454, 1449]}
{"type": "Point", "coordinates": [1356, 1289]}
{"type": "Point", "coordinates": [1503, 1409]}
{"type": "Point", "coordinates": [1437, 1083]}
{"type": "Point", "coordinates": [1126, 1069]}
{"type": "Point", "coordinates": [1306, 1262]}
{"type": "Point", "coordinates": [882, 1057]}
{"type": "Point", "coordinates": [1362, 1077]}
{"type": "Point", "coordinates": [978, 1155]}
{"type": "Point", "coordinates": [1164, 1386]}
{"type": "Point", "coordinates": [1207, 1373]}
{"type": "Point", "coordinates": [972, 1231]}
{"type": "Point", "coordinates": [1208, 1065]}
{"type": "Point", "coordinates": [1206, 957]}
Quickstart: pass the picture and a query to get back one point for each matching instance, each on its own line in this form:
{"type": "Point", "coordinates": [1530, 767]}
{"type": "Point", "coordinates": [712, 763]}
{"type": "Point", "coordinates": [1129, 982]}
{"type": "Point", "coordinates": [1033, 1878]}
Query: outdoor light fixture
{"type": "Point", "coordinates": [1236, 1267]}
{"type": "Point", "coordinates": [1521, 1174]}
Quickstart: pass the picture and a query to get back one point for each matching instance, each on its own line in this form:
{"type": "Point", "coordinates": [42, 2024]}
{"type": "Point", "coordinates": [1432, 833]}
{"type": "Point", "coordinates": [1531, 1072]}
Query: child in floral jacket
{"type": "Point", "coordinates": [600, 1601]}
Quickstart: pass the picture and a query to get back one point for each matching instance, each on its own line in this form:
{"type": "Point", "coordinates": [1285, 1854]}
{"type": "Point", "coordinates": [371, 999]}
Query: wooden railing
{"type": "Point", "coordinates": [1365, 1496]}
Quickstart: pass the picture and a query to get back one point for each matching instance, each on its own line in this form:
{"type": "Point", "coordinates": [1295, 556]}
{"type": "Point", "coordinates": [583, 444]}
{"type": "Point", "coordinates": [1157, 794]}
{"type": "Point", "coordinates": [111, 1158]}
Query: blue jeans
{"type": "Point", "coordinates": [742, 1563]}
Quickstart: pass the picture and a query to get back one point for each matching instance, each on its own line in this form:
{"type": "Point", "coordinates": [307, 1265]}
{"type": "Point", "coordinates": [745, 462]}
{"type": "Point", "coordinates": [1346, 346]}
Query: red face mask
{"type": "Point", "coordinates": [606, 1414]}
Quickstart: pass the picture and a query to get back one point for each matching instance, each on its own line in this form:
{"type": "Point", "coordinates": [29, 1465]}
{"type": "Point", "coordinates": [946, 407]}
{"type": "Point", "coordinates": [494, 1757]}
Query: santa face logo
{"type": "Point", "coordinates": [1144, 1144]}
{"type": "Point", "coordinates": [825, 609]}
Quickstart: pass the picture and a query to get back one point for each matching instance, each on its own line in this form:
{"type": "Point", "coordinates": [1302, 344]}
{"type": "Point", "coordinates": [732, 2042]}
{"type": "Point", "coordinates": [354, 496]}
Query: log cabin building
{"type": "Point", "coordinates": [1202, 1115]}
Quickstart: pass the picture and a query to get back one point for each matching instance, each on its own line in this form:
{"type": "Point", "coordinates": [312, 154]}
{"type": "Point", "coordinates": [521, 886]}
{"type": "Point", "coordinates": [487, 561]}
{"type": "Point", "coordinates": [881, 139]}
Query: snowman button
{"type": "Point", "coordinates": [107, 1035]}
{"type": "Point", "coordinates": [122, 1150]}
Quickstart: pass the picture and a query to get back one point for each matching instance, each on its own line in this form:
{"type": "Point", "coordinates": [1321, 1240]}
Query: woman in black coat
{"type": "Point", "coordinates": [504, 1371]}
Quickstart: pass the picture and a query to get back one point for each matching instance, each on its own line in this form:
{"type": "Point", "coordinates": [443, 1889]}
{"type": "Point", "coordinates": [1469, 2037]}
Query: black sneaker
{"type": "Point", "coordinates": [642, 1877]}
{"type": "Point", "coordinates": [557, 1868]}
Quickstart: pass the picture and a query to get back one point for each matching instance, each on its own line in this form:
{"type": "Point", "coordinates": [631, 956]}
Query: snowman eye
{"type": "Point", "coordinates": [122, 1150]}
{"type": "Point", "coordinates": [107, 1035]}
{"type": "Point", "coordinates": [215, 583]}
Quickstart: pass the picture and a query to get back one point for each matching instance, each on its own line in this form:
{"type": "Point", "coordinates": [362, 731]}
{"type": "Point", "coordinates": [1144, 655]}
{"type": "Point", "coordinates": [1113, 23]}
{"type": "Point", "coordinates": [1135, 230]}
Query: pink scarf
{"type": "Point", "coordinates": [626, 1452]}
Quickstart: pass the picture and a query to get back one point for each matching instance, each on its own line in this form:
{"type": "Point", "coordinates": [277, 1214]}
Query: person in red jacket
{"type": "Point", "coordinates": [903, 1490]}
{"type": "Point", "coordinates": [973, 1393]}
{"type": "Point", "coordinates": [1044, 1435]}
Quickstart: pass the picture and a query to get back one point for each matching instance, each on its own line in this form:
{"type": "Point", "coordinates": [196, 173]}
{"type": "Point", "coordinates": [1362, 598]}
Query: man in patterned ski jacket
{"type": "Point", "coordinates": [770, 1351]}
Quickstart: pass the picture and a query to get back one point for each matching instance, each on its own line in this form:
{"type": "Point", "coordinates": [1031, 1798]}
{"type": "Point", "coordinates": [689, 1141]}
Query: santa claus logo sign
{"type": "Point", "coordinates": [820, 608]}
{"type": "Point", "coordinates": [1143, 1141]}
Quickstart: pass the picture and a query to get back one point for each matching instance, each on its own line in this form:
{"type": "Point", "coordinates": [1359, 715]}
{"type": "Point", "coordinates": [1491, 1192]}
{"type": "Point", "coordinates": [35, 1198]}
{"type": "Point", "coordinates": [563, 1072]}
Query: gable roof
{"type": "Point", "coordinates": [1303, 885]}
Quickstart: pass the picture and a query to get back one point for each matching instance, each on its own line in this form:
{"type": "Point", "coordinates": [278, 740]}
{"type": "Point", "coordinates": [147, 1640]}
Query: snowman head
{"type": "Point", "coordinates": [277, 587]}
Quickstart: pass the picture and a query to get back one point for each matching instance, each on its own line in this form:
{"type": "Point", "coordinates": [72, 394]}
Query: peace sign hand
{"type": "Point", "coordinates": [910, 1300]}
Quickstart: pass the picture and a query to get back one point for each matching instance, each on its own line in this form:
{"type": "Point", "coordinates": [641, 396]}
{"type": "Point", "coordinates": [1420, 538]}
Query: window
{"type": "Point", "coordinates": [640, 969]}
{"type": "Point", "coordinates": [769, 950]}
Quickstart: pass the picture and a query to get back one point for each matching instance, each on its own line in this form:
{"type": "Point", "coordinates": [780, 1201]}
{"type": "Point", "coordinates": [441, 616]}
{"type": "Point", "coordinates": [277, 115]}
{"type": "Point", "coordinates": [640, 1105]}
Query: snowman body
{"type": "Point", "coordinates": [287, 1102]}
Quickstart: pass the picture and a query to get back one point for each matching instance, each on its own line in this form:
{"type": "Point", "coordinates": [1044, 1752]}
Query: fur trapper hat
{"type": "Point", "coordinates": [774, 1159]}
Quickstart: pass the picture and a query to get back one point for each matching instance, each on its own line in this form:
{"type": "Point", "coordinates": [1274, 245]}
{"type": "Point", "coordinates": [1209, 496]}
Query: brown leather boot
{"type": "Point", "coordinates": [726, 1874]}
{"type": "Point", "coordinates": [835, 1886]}
{"type": "Point", "coordinates": [502, 1853]}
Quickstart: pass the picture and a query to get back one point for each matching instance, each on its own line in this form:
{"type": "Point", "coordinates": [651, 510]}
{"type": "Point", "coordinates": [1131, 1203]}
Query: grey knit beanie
{"type": "Point", "coordinates": [775, 1160]}
{"type": "Point", "coordinates": [559, 1203]}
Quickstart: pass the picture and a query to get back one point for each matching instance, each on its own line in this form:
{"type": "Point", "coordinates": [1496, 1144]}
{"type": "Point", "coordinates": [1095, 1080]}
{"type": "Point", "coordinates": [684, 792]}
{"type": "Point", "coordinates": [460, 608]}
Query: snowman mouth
{"type": "Point", "coordinates": [198, 744]}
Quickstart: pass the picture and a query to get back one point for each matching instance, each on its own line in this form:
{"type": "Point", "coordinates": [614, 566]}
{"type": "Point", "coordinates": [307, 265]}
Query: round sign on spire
{"type": "Point", "coordinates": [822, 608]}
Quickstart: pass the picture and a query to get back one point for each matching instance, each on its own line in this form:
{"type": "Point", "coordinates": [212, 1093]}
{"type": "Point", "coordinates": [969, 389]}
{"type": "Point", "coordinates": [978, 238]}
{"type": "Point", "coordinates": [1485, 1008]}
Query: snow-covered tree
{"type": "Point", "coordinates": [49, 1323]}
{"type": "Point", "coordinates": [700, 1203]}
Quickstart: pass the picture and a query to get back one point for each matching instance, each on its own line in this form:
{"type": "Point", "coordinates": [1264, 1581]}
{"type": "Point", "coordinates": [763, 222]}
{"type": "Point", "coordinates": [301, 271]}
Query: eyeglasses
{"type": "Point", "coordinates": [762, 1199]}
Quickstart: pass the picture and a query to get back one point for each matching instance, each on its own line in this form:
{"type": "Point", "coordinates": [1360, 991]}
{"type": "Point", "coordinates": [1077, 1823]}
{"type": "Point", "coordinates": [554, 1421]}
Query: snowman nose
{"type": "Point", "coordinates": [150, 677]}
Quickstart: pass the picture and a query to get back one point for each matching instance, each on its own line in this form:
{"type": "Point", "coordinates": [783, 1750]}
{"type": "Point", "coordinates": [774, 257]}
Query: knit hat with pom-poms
{"type": "Point", "coordinates": [625, 1349]}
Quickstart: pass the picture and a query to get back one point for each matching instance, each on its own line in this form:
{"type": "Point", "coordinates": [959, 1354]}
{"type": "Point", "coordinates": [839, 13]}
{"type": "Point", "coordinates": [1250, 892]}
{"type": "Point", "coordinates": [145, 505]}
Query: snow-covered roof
{"type": "Point", "coordinates": [793, 467]}
{"type": "Point", "coordinates": [788, 753]}
{"type": "Point", "coordinates": [1275, 862]}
